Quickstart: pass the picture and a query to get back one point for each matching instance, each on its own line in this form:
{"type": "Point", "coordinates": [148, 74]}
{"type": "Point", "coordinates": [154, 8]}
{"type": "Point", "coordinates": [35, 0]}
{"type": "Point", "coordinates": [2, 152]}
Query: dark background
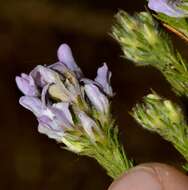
{"type": "Point", "coordinates": [30, 32]}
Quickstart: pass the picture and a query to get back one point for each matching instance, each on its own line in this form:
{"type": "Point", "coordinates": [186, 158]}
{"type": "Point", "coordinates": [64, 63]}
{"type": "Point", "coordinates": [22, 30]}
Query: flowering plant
{"type": "Point", "coordinates": [144, 42]}
{"type": "Point", "coordinates": [75, 110]}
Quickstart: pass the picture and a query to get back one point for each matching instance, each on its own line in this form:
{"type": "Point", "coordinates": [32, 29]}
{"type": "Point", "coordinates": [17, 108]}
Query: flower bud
{"type": "Point", "coordinates": [65, 56]}
{"type": "Point", "coordinates": [97, 98]}
{"type": "Point", "coordinates": [88, 124]}
{"type": "Point", "coordinates": [103, 78]}
{"type": "Point", "coordinates": [158, 114]}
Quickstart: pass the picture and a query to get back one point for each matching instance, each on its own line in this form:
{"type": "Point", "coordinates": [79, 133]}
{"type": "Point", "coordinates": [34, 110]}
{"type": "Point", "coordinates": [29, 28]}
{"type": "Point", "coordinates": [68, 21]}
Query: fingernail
{"type": "Point", "coordinates": [140, 178]}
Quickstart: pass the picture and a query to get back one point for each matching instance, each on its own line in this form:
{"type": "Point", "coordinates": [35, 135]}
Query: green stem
{"type": "Point", "coordinates": [111, 155]}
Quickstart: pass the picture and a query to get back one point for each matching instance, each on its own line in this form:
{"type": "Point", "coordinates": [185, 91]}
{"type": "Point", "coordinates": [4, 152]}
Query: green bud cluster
{"type": "Point", "coordinates": [165, 118]}
{"type": "Point", "coordinates": [140, 39]}
{"type": "Point", "coordinates": [145, 44]}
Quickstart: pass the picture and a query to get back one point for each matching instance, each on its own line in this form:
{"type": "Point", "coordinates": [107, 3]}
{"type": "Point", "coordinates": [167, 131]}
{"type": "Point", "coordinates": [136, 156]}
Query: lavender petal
{"type": "Point", "coordinates": [43, 75]}
{"type": "Point", "coordinates": [103, 78]}
{"type": "Point", "coordinates": [97, 98]}
{"type": "Point", "coordinates": [55, 121]}
{"type": "Point", "coordinates": [33, 104]}
{"type": "Point", "coordinates": [50, 133]}
{"type": "Point", "coordinates": [59, 67]}
{"type": "Point", "coordinates": [65, 56]}
{"type": "Point", "coordinates": [64, 108]}
{"type": "Point", "coordinates": [167, 7]}
{"type": "Point", "coordinates": [27, 85]}
{"type": "Point", "coordinates": [87, 123]}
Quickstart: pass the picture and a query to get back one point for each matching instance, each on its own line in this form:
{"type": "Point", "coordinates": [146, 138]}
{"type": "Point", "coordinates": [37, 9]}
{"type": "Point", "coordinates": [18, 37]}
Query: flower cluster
{"type": "Point", "coordinates": [165, 118]}
{"type": "Point", "coordinates": [169, 7]}
{"type": "Point", "coordinates": [57, 93]}
{"type": "Point", "coordinates": [75, 110]}
{"type": "Point", "coordinates": [143, 42]}
{"type": "Point", "coordinates": [157, 113]}
{"type": "Point", "coordinates": [140, 39]}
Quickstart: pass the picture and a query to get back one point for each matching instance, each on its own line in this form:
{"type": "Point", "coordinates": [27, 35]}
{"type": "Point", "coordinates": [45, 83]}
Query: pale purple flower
{"type": "Point", "coordinates": [97, 98]}
{"type": "Point", "coordinates": [53, 120]}
{"type": "Point", "coordinates": [51, 81]}
{"type": "Point", "coordinates": [52, 91]}
{"type": "Point", "coordinates": [65, 56]}
{"type": "Point", "coordinates": [27, 85]}
{"type": "Point", "coordinates": [43, 76]}
{"type": "Point", "coordinates": [103, 78]}
{"type": "Point", "coordinates": [168, 7]}
{"type": "Point", "coordinates": [52, 76]}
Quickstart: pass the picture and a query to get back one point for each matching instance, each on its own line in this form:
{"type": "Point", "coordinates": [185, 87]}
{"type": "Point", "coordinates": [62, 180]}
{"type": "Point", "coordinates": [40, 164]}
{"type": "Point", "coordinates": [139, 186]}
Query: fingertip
{"type": "Point", "coordinates": [138, 178]}
{"type": "Point", "coordinates": [151, 176]}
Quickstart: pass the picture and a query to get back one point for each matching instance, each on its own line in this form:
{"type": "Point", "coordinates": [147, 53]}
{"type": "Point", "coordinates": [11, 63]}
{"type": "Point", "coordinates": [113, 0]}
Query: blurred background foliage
{"type": "Point", "coordinates": [30, 32]}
